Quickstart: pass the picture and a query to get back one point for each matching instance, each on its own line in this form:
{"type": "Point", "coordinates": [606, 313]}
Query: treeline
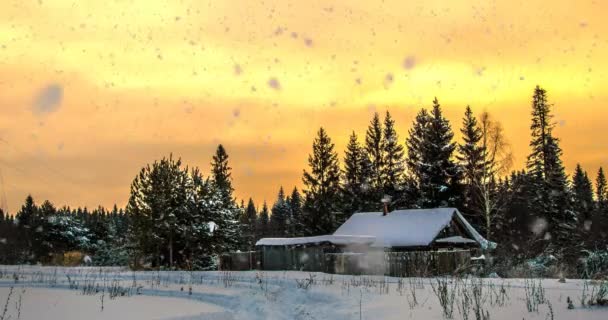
{"type": "Point", "coordinates": [536, 211]}
{"type": "Point", "coordinates": [43, 233]}
{"type": "Point", "coordinates": [176, 217]}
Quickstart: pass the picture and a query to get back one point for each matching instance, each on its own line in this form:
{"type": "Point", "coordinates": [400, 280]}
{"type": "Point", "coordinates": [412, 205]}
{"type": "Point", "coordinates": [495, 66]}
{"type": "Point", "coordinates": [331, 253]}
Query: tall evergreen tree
{"type": "Point", "coordinates": [229, 227]}
{"type": "Point", "coordinates": [322, 183]}
{"type": "Point", "coordinates": [601, 190]}
{"type": "Point", "coordinates": [545, 165]}
{"type": "Point", "coordinates": [157, 205]}
{"type": "Point", "coordinates": [471, 158]}
{"type": "Point", "coordinates": [295, 206]}
{"type": "Point", "coordinates": [583, 194]}
{"type": "Point", "coordinates": [415, 148]}
{"type": "Point", "coordinates": [263, 222]}
{"type": "Point", "coordinates": [280, 215]}
{"type": "Point", "coordinates": [220, 172]}
{"type": "Point", "coordinates": [393, 168]}
{"type": "Point", "coordinates": [599, 226]}
{"type": "Point", "coordinates": [248, 221]}
{"type": "Point", "coordinates": [356, 177]}
{"type": "Point", "coordinates": [375, 153]}
{"type": "Point", "coordinates": [27, 216]}
{"type": "Point", "coordinates": [430, 150]}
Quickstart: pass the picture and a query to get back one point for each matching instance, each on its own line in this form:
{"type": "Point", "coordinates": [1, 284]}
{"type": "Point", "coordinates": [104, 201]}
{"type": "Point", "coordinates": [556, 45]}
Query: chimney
{"type": "Point", "coordinates": [385, 200]}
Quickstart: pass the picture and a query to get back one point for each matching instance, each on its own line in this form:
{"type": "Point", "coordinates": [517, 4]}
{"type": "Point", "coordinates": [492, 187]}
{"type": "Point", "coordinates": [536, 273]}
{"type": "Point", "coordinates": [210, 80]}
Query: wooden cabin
{"type": "Point", "coordinates": [399, 243]}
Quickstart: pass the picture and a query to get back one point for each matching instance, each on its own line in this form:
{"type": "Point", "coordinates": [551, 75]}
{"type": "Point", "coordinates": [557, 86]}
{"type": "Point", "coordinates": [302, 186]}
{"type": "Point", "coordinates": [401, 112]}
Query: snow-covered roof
{"type": "Point", "coordinates": [407, 228]}
{"type": "Point", "coordinates": [455, 239]}
{"type": "Point", "coordinates": [334, 239]}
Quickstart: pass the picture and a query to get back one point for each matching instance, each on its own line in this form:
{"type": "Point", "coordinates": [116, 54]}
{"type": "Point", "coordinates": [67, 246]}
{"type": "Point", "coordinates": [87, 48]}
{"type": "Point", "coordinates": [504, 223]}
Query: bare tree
{"type": "Point", "coordinates": [498, 159]}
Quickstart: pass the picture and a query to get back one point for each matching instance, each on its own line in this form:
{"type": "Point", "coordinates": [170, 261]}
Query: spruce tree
{"type": "Point", "coordinates": [295, 206]}
{"type": "Point", "coordinates": [415, 145]}
{"type": "Point", "coordinates": [27, 216]}
{"type": "Point", "coordinates": [248, 221]}
{"type": "Point", "coordinates": [220, 172]}
{"type": "Point", "coordinates": [430, 150]}
{"type": "Point", "coordinates": [229, 228]}
{"type": "Point", "coordinates": [393, 168]}
{"type": "Point", "coordinates": [322, 184]}
{"type": "Point", "coordinates": [601, 190]}
{"type": "Point", "coordinates": [583, 194]}
{"type": "Point", "coordinates": [553, 200]}
{"type": "Point", "coordinates": [263, 222]}
{"type": "Point", "coordinates": [29, 223]}
{"type": "Point", "coordinates": [158, 206]}
{"type": "Point", "coordinates": [471, 158]}
{"type": "Point", "coordinates": [280, 214]}
{"type": "Point", "coordinates": [356, 178]}
{"type": "Point", "coordinates": [375, 153]}
{"type": "Point", "coordinates": [599, 226]}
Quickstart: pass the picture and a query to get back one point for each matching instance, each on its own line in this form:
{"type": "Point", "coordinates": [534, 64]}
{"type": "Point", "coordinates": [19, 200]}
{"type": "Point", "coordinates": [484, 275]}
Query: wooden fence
{"type": "Point", "coordinates": [395, 264]}
{"type": "Point", "coordinates": [425, 263]}
{"type": "Point", "coordinates": [399, 264]}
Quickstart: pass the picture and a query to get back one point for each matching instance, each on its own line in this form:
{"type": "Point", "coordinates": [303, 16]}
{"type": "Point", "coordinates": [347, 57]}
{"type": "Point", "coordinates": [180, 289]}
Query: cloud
{"type": "Point", "coordinates": [48, 99]}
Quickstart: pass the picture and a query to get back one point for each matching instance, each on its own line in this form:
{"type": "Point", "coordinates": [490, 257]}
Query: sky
{"type": "Point", "coordinates": [91, 91]}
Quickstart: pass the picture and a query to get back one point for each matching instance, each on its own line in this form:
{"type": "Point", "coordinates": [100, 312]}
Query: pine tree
{"type": "Point", "coordinates": [472, 162]}
{"type": "Point", "coordinates": [356, 178]}
{"type": "Point", "coordinates": [545, 165]}
{"type": "Point", "coordinates": [430, 150]}
{"type": "Point", "coordinates": [295, 206]}
{"type": "Point", "coordinates": [229, 228]}
{"type": "Point", "coordinates": [248, 221]}
{"type": "Point", "coordinates": [280, 215]}
{"type": "Point", "coordinates": [220, 172]}
{"type": "Point", "coordinates": [601, 190]}
{"type": "Point", "coordinates": [393, 167]}
{"type": "Point", "coordinates": [322, 183]}
{"type": "Point", "coordinates": [375, 153]}
{"type": "Point", "coordinates": [157, 205]}
{"type": "Point", "coordinates": [415, 148]}
{"type": "Point", "coordinates": [203, 238]}
{"type": "Point", "coordinates": [263, 222]}
{"type": "Point", "coordinates": [27, 216]}
{"type": "Point", "coordinates": [599, 226]}
{"type": "Point", "coordinates": [583, 194]}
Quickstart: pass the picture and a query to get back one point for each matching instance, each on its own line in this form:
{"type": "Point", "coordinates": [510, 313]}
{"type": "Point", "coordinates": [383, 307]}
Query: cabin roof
{"type": "Point", "coordinates": [408, 228]}
{"type": "Point", "coordinates": [333, 239]}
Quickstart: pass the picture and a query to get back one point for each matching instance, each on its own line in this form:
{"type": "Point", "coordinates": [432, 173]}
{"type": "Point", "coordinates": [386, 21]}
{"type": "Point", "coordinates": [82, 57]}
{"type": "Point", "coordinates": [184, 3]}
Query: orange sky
{"type": "Point", "coordinates": [90, 91]}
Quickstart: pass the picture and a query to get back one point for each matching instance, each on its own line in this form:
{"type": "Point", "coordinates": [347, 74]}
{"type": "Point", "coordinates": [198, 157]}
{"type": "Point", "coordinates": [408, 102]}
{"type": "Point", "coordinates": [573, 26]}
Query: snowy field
{"type": "Point", "coordinates": [28, 292]}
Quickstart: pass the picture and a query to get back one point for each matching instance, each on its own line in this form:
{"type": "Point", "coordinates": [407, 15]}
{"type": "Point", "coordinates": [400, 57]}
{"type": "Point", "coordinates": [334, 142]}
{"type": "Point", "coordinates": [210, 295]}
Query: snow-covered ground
{"type": "Point", "coordinates": [114, 293]}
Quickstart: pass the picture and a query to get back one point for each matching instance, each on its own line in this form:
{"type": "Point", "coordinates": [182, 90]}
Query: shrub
{"type": "Point", "coordinates": [594, 265]}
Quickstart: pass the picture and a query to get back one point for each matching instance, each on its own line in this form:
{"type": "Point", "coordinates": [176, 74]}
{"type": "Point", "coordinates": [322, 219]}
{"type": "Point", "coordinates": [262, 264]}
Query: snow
{"type": "Point", "coordinates": [455, 239]}
{"type": "Point", "coordinates": [407, 228]}
{"type": "Point", "coordinates": [48, 303]}
{"type": "Point", "coordinates": [212, 226]}
{"type": "Point", "coordinates": [333, 239]}
{"type": "Point", "coordinates": [481, 257]}
{"type": "Point", "coordinates": [280, 295]}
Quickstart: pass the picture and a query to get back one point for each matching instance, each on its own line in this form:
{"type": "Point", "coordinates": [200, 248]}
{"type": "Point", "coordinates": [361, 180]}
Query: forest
{"type": "Point", "coordinates": [544, 220]}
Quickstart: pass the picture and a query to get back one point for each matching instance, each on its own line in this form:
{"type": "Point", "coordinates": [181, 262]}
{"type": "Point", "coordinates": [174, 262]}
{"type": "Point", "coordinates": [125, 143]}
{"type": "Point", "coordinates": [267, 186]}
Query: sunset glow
{"type": "Point", "coordinates": [90, 91]}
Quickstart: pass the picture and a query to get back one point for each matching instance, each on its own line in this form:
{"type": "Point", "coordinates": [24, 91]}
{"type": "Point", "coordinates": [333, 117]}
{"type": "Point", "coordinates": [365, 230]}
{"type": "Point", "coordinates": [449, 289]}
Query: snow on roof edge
{"type": "Point", "coordinates": [485, 244]}
{"type": "Point", "coordinates": [334, 239]}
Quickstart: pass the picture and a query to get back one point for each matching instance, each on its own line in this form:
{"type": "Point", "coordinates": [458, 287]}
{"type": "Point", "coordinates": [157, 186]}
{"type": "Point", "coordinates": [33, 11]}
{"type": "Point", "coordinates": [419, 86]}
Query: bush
{"type": "Point", "coordinates": [594, 265]}
{"type": "Point", "coordinates": [111, 254]}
